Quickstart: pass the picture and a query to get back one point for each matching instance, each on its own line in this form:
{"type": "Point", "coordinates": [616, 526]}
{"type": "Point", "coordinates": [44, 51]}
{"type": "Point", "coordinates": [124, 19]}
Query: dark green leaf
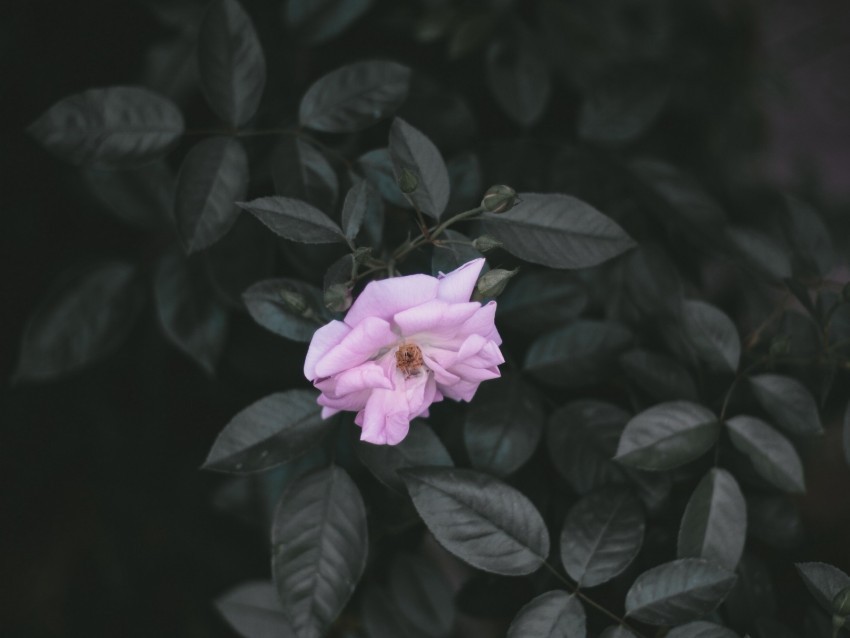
{"type": "Point", "coordinates": [658, 375]}
{"type": "Point", "coordinates": [213, 177]}
{"type": "Point", "coordinates": [81, 323]}
{"type": "Point", "coordinates": [518, 77]}
{"type": "Point", "coordinates": [358, 201]}
{"type": "Point", "coordinates": [271, 431]}
{"type": "Point", "coordinates": [540, 300]}
{"type": "Point", "coordinates": [191, 316]}
{"type": "Point", "coordinates": [479, 519]}
{"type": "Point", "coordinates": [772, 455]}
{"type": "Point", "coordinates": [319, 547]}
{"type": "Point", "coordinates": [712, 335]}
{"type": "Point", "coordinates": [254, 611]}
{"type": "Point", "coordinates": [320, 20]}
{"type": "Point", "coordinates": [143, 197]}
{"type": "Point", "coordinates": [824, 582]}
{"type": "Point", "coordinates": [577, 354]}
{"type": "Point", "coordinates": [503, 425]}
{"type": "Point", "coordinates": [581, 439]}
{"type": "Point", "coordinates": [601, 536]}
{"type": "Point", "coordinates": [616, 631]}
{"type": "Point", "coordinates": [113, 127]}
{"type": "Point", "coordinates": [774, 520]}
{"type": "Point", "coordinates": [268, 309]}
{"type": "Point", "coordinates": [554, 614]}
{"type": "Point", "coordinates": [810, 236]}
{"type": "Point", "coordinates": [411, 151]}
{"type": "Point", "coordinates": [761, 253]}
{"type": "Point", "coordinates": [452, 252]}
{"type": "Point", "coordinates": [788, 402]}
{"type": "Point", "coordinates": [678, 591]}
{"type": "Point", "coordinates": [422, 595]}
{"type": "Point", "coordinates": [354, 96]}
{"type": "Point", "coordinates": [377, 167]}
{"type": "Point", "coordinates": [382, 618]}
{"type": "Point", "coordinates": [301, 171]}
{"type": "Point", "coordinates": [701, 629]}
{"type": "Point", "coordinates": [714, 525]}
{"type": "Point", "coordinates": [667, 435]}
{"type": "Point", "coordinates": [420, 448]}
{"type": "Point", "coordinates": [558, 231]}
{"type": "Point", "coordinates": [231, 63]}
{"type": "Point", "coordinates": [753, 594]}
{"type": "Point", "coordinates": [294, 219]}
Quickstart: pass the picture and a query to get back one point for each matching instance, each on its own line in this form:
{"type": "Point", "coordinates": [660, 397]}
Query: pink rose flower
{"type": "Point", "coordinates": [405, 343]}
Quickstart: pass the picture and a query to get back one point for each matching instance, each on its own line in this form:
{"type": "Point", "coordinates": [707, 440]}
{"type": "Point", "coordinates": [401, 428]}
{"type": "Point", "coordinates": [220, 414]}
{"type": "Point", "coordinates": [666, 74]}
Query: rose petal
{"type": "Point", "coordinates": [386, 418]}
{"type": "Point", "coordinates": [457, 286]}
{"type": "Point", "coordinates": [434, 315]}
{"type": "Point", "coordinates": [387, 297]}
{"type": "Point", "coordinates": [324, 339]}
{"type": "Point", "coordinates": [483, 323]}
{"type": "Point", "coordinates": [366, 376]}
{"type": "Point", "coordinates": [362, 343]}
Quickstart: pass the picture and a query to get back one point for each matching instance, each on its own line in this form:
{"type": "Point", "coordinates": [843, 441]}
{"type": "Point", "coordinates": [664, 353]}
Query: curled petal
{"type": "Point", "coordinates": [361, 344]}
{"type": "Point", "coordinates": [434, 316]}
{"type": "Point", "coordinates": [385, 298]}
{"type": "Point", "coordinates": [483, 323]}
{"type": "Point", "coordinates": [366, 376]}
{"type": "Point", "coordinates": [457, 286]}
{"type": "Point", "coordinates": [324, 339]}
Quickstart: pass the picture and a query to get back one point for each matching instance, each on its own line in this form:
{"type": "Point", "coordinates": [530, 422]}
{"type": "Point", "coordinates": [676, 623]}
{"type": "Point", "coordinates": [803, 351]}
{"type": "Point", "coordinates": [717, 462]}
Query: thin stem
{"type": "Point", "coordinates": [434, 233]}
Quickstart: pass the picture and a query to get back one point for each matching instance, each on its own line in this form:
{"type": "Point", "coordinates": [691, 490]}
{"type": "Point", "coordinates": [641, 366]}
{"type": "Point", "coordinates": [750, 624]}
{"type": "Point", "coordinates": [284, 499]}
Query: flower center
{"type": "Point", "coordinates": [408, 359]}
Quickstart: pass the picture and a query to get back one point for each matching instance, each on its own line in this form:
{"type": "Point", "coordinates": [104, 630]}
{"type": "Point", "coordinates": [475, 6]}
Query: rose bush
{"type": "Point", "coordinates": [406, 343]}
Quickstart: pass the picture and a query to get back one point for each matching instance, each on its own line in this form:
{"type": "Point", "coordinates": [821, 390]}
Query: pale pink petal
{"type": "Point", "coordinates": [350, 402]}
{"type": "Point", "coordinates": [460, 391]}
{"type": "Point", "coordinates": [385, 298]}
{"type": "Point", "coordinates": [434, 315]}
{"type": "Point", "coordinates": [483, 323]}
{"type": "Point", "coordinates": [367, 375]}
{"type": "Point", "coordinates": [324, 339]}
{"type": "Point", "coordinates": [328, 412]}
{"type": "Point", "coordinates": [457, 286]}
{"type": "Point", "coordinates": [440, 373]}
{"type": "Point", "coordinates": [361, 344]}
{"type": "Point", "coordinates": [473, 374]}
{"type": "Point", "coordinates": [385, 417]}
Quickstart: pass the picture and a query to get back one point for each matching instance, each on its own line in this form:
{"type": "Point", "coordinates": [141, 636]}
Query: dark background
{"type": "Point", "coordinates": [107, 527]}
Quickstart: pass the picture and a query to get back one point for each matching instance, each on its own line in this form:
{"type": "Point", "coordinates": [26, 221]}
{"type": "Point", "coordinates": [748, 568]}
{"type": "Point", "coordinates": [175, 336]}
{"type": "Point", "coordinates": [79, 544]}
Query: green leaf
{"type": "Point", "coordinates": [581, 438]}
{"type": "Point", "coordinates": [318, 21]}
{"type": "Point", "coordinates": [81, 323]}
{"type": "Point", "coordinates": [301, 171]}
{"type": "Point", "coordinates": [410, 150]}
{"type": "Point", "coordinates": [189, 313]}
{"type": "Point", "coordinates": [667, 435]}
{"type": "Point", "coordinates": [452, 251]}
{"type": "Point", "coordinates": [810, 236]}
{"type": "Point", "coordinates": [420, 448]}
{"type": "Point", "coordinates": [354, 96]}
{"type": "Point", "coordinates": [678, 591]}
{"type": "Point", "coordinates": [714, 525]}
{"type": "Point", "coordinates": [578, 354]}
{"type": "Point", "coordinates": [503, 425]}
{"type": "Point", "coordinates": [381, 616]}
{"type": "Point", "coordinates": [479, 519]}
{"type": "Point", "coordinates": [319, 548]}
{"type": "Point", "coordinates": [252, 609]}
{"type": "Point", "coordinates": [267, 307]}
{"type": "Point", "coordinates": [518, 77]}
{"type": "Point", "coordinates": [558, 231]}
{"type": "Point", "coordinates": [231, 64]}
{"type": "Point", "coordinates": [772, 455]}
{"type": "Point", "coordinates": [601, 536]}
{"type": "Point", "coordinates": [142, 197]}
{"type": "Point", "coordinates": [111, 127]}
{"type": "Point", "coordinates": [271, 431]}
{"type": "Point", "coordinates": [359, 200]}
{"type": "Point", "coordinates": [759, 252]}
{"type": "Point", "coordinates": [377, 167]}
{"type": "Point", "coordinates": [294, 219]}
{"type": "Point", "coordinates": [701, 629]}
{"type": "Point", "coordinates": [422, 594]}
{"type": "Point", "coordinates": [658, 375]}
{"type": "Point", "coordinates": [554, 614]}
{"type": "Point", "coordinates": [823, 582]}
{"type": "Point", "coordinates": [788, 401]}
{"type": "Point", "coordinates": [212, 178]}
{"type": "Point", "coordinates": [540, 300]}
{"type": "Point", "coordinates": [712, 335]}
{"type": "Point", "coordinates": [616, 631]}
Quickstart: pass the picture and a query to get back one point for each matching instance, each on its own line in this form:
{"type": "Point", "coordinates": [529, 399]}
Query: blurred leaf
{"type": "Point", "coordinates": [268, 309]}
{"type": "Point", "coordinates": [824, 582]}
{"type": "Point", "coordinates": [81, 323]}
{"type": "Point", "coordinates": [788, 402]}
{"type": "Point", "coordinates": [667, 435]}
{"type": "Point", "coordinates": [846, 436]}
{"type": "Point", "coordinates": [479, 519]}
{"type": "Point", "coordinates": [581, 438]}
{"type": "Point", "coordinates": [420, 448]}
{"type": "Point", "coordinates": [377, 167]}
{"type": "Point", "coordinates": [772, 455]}
{"type": "Point", "coordinates": [113, 127]}
{"type": "Point", "coordinates": [801, 293]}
{"type": "Point", "coordinates": [231, 63]}
{"type": "Point", "coordinates": [271, 431]}
{"type": "Point", "coordinates": [301, 171]}
{"type": "Point", "coordinates": [452, 251]}
{"type": "Point", "coordinates": [190, 315]}
{"type": "Point", "coordinates": [422, 595]}
{"type": "Point", "coordinates": [294, 219]}
{"type": "Point", "coordinates": [358, 202]}
{"type": "Point", "coordinates": [518, 77]}
{"type": "Point", "coordinates": [354, 96]}
{"type": "Point", "coordinates": [616, 631]}
{"type": "Point", "coordinates": [558, 231]}
{"type": "Point", "coordinates": [658, 375]}
{"type": "Point", "coordinates": [413, 153]}
{"type": "Point", "coordinates": [774, 519]}
{"type": "Point", "coordinates": [760, 252]}
{"type": "Point", "coordinates": [540, 300]}
{"type": "Point", "coordinates": [142, 197]}
{"type": "Point", "coordinates": [753, 594]}
{"type": "Point", "coordinates": [714, 525]}
{"type": "Point", "coordinates": [318, 21]}
{"type": "Point", "coordinates": [212, 178]}
{"type": "Point", "coordinates": [471, 33]}
{"type": "Point", "coordinates": [494, 597]}
{"type": "Point", "coordinates": [701, 629]}
{"type": "Point", "coordinates": [712, 335]}
{"type": "Point", "coordinates": [503, 425]}
{"type": "Point", "coordinates": [465, 181]}
{"type": "Point", "coordinates": [253, 610]}
{"type": "Point", "coordinates": [578, 354]}
{"type": "Point", "coordinates": [319, 548]}
{"type": "Point", "coordinates": [809, 236]}
{"type": "Point", "coordinates": [678, 591]}
{"type": "Point", "coordinates": [601, 536]}
{"type": "Point", "coordinates": [554, 614]}
{"type": "Point", "coordinates": [382, 617]}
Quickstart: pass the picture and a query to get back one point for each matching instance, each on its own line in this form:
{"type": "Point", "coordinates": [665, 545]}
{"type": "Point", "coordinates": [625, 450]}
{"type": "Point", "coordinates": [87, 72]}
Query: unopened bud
{"type": "Point", "coordinates": [499, 198]}
{"type": "Point", "coordinates": [407, 181]}
{"type": "Point", "coordinates": [485, 243]}
{"type": "Point", "coordinates": [295, 302]}
{"type": "Point", "coordinates": [338, 298]}
{"type": "Point", "coordinates": [841, 603]}
{"type": "Point", "coordinates": [780, 346]}
{"type": "Point", "coordinates": [493, 282]}
{"type": "Point", "coordinates": [361, 254]}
